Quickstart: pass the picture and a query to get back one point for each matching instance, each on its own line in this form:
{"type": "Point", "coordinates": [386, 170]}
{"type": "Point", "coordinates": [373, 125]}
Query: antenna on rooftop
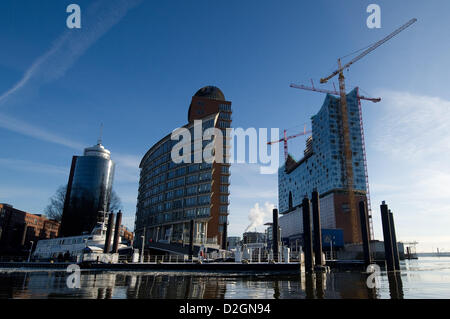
{"type": "Point", "coordinates": [99, 141]}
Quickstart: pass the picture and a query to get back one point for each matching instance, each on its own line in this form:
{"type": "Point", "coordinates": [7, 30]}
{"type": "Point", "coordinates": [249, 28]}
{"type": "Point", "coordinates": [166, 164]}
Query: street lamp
{"type": "Point", "coordinates": [31, 248]}
{"type": "Point", "coordinates": [330, 240]}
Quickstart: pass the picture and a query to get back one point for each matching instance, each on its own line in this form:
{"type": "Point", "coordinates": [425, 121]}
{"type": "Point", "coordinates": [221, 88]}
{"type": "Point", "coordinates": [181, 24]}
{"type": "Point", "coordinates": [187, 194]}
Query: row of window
{"type": "Point", "coordinates": [154, 185]}
{"type": "Point", "coordinates": [223, 124]}
{"type": "Point", "coordinates": [168, 144]}
{"type": "Point", "coordinates": [225, 107]}
{"type": "Point", "coordinates": [154, 207]}
{"type": "Point", "coordinates": [180, 169]}
{"type": "Point", "coordinates": [178, 215]}
{"type": "Point", "coordinates": [200, 200]}
{"type": "Point", "coordinates": [226, 116]}
{"type": "Point", "coordinates": [177, 193]}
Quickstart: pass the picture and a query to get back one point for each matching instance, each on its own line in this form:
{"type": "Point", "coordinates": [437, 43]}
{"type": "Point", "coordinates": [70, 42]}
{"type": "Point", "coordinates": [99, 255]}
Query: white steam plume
{"type": "Point", "coordinates": [258, 214]}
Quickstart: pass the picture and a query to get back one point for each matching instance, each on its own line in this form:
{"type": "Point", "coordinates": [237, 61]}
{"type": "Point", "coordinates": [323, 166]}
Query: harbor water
{"type": "Point", "coordinates": [428, 277]}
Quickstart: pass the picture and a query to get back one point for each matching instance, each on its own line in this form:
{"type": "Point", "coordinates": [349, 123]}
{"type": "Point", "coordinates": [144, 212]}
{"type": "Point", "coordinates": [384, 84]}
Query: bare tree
{"type": "Point", "coordinates": [54, 210]}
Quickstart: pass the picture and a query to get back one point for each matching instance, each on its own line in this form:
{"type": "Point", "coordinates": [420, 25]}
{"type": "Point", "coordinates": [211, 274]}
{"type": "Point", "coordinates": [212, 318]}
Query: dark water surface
{"type": "Point", "coordinates": [428, 277]}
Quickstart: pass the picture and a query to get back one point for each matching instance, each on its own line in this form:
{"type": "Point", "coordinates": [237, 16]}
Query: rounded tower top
{"type": "Point", "coordinates": [97, 150]}
{"type": "Point", "coordinates": [211, 92]}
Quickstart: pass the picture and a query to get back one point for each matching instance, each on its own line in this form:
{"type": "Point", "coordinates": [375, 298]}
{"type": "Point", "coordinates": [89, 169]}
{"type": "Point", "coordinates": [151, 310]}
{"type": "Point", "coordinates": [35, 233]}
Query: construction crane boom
{"type": "Point", "coordinates": [285, 139]}
{"type": "Point", "coordinates": [304, 87]}
{"type": "Point", "coordinates": [370, 49]}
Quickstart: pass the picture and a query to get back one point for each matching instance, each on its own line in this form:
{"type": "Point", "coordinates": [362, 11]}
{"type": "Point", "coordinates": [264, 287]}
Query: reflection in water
{"type": "Point", "coordinates": [321, 280]}
{"type": "Point", "coordinates": [430, 280]}
{"type": "Point", "coordinates": [106, 285]}
{"type": "Point", "coordinates": [276, 290]}
{"type": "Point", "coordinates": [395, 285]}
{"type": "Point", "coordinates": [309, 286]}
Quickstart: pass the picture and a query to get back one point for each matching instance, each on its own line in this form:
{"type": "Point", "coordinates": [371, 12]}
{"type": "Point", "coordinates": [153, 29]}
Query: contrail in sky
{"type": "Point", "coordinates": [24, 128]}
{"type": "Point", "coordinates": [96, 20]}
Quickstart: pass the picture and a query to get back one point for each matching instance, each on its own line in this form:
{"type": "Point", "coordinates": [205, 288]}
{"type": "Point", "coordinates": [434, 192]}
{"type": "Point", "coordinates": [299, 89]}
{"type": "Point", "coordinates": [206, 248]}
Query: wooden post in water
{"type": "Point", "coordinates": [107, 246]}
{"type": "Point", "coordinates": [388, 251]}
{"type": "Point", "coordinates": [394, 242]}
{"type": "Point", "coordinates": [365, 233]}
{"type": "Point", "coordinates": [191, 239]}
{"type": "Point", "coordinates": [317, 229]}
{"type": "Point", "coordinates": [115, 248]}
{"type": "Point", "coordinates": [275, 236]}
{"type": "Point", "coordinates": [307, 244]}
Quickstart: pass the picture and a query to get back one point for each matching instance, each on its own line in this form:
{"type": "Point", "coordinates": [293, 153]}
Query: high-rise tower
{"type": "Point", "coordinates": [172, 194]}
{"type": "Point", "coordinates": [88, 191]}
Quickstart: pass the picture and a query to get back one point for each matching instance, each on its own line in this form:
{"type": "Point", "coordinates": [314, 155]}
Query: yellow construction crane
{"type": "Point", "coordinates": [348, 163]}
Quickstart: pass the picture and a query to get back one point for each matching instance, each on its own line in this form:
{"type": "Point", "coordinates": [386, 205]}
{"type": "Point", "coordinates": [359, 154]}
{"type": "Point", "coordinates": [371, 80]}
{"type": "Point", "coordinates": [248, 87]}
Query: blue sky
{"type": "Point", "coordinates": [134, 66]}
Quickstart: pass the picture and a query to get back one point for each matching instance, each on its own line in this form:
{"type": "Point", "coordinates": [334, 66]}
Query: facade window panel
{"type": "Point", "coordinates": [192, 190]}
{"type": "Point", "coordinates": [204, 200]}
{"type": "Point", "coordinates": [203, 212]}
{"type": "Point", "coordinates": [179, 182]}
{"type": "Point", "coordinates": [171, 174]}
{"type": "Point", "coordinates": [190, 213]}
{"type": "Point", "coordinates": [223, 209]}
{"type": "Point", "coordinates": [181, 171]}
{"type": "Point", "coordinates": [193, 168]}
{"type": "Point", "coordinates": [203, 188]}
{"type": "Point", "coordinates": [179, 192]}
{"type": "Point", "coordinates": [224, 199]}
{"type": "Point", "coordinates": [192, 179]}
{"type": "Point", "coordinates": [191, 201]}
{"type": "Point", "coordinates": [178, 204]}
{"type": "Point", "coordinates": [225, 169]}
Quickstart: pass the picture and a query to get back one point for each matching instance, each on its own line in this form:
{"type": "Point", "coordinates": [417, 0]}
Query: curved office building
{"type": "Point", "coordinates": [88, 191]}
{"type": "Point", "coordinates": [171, 194]}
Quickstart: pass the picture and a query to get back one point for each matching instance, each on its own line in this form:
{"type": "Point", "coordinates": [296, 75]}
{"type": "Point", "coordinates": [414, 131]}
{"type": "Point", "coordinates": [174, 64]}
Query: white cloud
{"type": "Point", "coordinates": [127, 168]}
{"type": "Point", "coordinates": [414, 127]}
{"type": "Point", "coordinates": [412, 141]}
{"type": "Point", "coordinates": [27, 129]}
{"type": "Point", "coordinates": [32, 166]}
